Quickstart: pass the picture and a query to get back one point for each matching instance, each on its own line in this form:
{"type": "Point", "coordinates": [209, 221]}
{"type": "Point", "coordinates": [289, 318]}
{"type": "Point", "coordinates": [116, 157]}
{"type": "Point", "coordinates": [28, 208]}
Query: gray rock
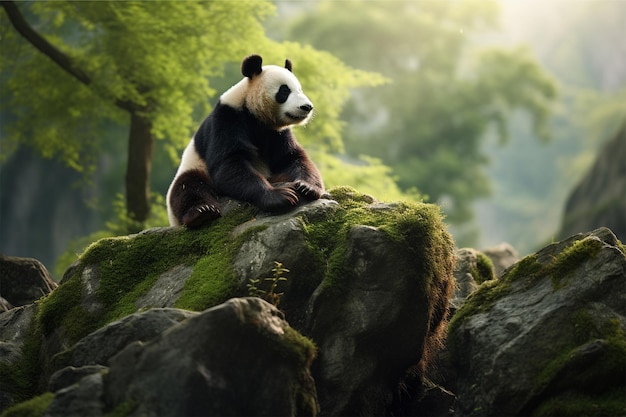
{"type": "Point", "coordinates": [167, 289]}
{"type": "Point", "coordinates": [79, 400]}
{"type": "Point", "coordinates": [190, 369]}
{"type": "Point", "coordinates": [472, 267]}
{"type": "Point", "coordinates": [516, 339]}
{"type": "Point", "coordinates": [98, 347]}
{"type": "Point", "coordinates": [15, 326]}
{"type": "Point", "coordinates": [372, 328]}
{"type": "Point", "coordinates": [599, 199]}
{"type": "Point", "coordinates": [369, 282]}
{"type": "Point", "coordinates": [71, 375]}
{"type": "Point", "coordinates": [5, 305]}
{"type": "Point", "coordinates": [24, 280]}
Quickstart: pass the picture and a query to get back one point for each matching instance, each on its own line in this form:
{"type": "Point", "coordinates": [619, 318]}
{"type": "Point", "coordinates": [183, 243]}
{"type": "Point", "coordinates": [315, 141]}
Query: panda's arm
{"type": "Point", "coordinates": [237, 178]}
{"type": "Point", "coordinates": [294, 165]}
{"type": "Point", "coordinates": [230, 159]}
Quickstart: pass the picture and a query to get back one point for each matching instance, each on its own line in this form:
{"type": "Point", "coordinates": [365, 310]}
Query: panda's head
{"type": "Point", "coordinates": [271, 93]}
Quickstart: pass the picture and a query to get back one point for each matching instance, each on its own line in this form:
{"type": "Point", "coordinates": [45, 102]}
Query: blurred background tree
{"type": "Point", "coordinates": [428, 123]}
{"type": "Point", "coordinates": [149, 61]}
{"type": "Point", "coordinates": [116, 70]}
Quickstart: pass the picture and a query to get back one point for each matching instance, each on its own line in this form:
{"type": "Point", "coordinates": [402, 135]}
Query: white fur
{"type": "Point", "coordinates": [258, 94]}
{"type": "Point", "coordinates": [190, 160]}
{"type": "Point", "coordinates": [235, 96]}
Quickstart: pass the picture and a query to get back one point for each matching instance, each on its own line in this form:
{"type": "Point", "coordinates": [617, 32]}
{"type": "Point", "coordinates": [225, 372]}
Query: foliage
{"type": "Point", "coordinates": [165, 67]}
{"type": "Point", "coordinates": [154, 61]}
{"type": "Point", "coordinates": [366, 173]}
{"type": "Point", "coordinates": [427, 125]}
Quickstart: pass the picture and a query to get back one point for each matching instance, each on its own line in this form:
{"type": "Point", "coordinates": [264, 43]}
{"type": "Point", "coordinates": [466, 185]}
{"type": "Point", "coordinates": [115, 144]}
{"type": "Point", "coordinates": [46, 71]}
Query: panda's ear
{"type": "Point", "coordinates": [288, 65]}
{"type": "Point", "coordinates": [251, 66]}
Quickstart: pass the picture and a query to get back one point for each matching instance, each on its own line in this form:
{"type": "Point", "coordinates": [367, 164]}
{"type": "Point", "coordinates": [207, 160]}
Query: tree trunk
{"type": "Point", "coordinates": [139, 167]}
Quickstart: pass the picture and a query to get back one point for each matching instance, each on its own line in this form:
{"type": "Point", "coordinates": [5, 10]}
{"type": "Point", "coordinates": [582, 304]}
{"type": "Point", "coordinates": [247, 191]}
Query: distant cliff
{"type": "Point", "coordinates": [599, 200]}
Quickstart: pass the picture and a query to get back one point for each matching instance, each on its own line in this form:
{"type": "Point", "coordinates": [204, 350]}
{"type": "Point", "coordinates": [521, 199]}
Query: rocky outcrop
{"type": "Point", "coordinates": [159, 323]}
{"type": "Point", "coordinates": [548, 337]}
{"type": "Point", "coordinates": [238, 358]}
{"type": "Point", "coordinates": [367, 282]}
{"type": "Point", "coordinates": [599, 199]}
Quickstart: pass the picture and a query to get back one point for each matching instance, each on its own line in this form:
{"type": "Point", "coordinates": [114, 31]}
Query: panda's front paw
{"type": "Point", "coordinates": [307, 190]}
{"type": "Point", "coordinates": [281, 197]}
{"type": "Point", "coordinates": [200, 215]}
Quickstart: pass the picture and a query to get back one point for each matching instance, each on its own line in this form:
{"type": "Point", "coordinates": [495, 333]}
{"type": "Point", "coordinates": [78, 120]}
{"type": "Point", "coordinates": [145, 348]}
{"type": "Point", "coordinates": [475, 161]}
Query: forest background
{"type": "Point", "coordinates": [494, 110]}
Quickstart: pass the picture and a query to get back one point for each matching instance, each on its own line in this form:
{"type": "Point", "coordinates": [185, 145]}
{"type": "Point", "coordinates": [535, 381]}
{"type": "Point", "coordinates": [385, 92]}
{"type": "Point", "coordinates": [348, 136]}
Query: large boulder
{"type": "Point", "coordinates": [548, 337]}
{"type": "Point", "coordinates": [368, 282]}
{"type": "Point", "coordinates": [238, 358]}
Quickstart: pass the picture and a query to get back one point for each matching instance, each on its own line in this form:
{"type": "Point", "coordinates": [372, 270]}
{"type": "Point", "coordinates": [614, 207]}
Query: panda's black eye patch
{"type": "Point", "coordinates": [283, 94]}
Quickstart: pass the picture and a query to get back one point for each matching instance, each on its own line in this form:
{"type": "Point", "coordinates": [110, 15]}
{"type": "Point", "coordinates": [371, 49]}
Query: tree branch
{"type": "Point", "coordinates": [39, 42]}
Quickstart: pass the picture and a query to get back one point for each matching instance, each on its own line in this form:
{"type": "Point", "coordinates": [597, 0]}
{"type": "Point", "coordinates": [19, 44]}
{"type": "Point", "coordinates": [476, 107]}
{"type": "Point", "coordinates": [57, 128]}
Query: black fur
{"type": "Point", "coordinates": [235, 144]}
{"type": "Point", "coordinates": [251, 66]}
{"type": "Point", "coordinates": [193, 200]}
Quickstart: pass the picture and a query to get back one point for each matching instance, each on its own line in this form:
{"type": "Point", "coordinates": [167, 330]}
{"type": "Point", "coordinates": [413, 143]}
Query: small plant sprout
{"type": "Point", "coordinates": [271, 295]}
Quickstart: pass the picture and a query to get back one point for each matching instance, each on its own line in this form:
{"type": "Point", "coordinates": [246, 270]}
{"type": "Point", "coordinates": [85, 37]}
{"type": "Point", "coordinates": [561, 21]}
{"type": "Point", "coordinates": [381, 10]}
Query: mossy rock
{"type": "Point", "coordinates": [548, 337]}
{"type": "Point", "coordinates": [112, 277]}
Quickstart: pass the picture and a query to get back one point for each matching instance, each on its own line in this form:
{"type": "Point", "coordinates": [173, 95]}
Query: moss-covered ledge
{"type": "Point", "coordinates": [108, 279]}
{"type": "Point", "coordinates": [128, 266]}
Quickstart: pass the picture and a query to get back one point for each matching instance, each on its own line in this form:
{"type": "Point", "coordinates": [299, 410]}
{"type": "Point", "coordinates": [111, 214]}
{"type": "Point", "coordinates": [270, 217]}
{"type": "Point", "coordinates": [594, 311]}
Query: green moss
{"type": "Point", "coordinates": [484, 298]}
{"type": "Point", "coordinates": [528, 269]}
{"type": "Point", "coordinates": [608, 404]}
{"type": "Point", "coordinates": [21, 379]}
{"type": "Point", "coordinates": [122, 409]}
{"type": "Point", "coordinates": [591, 389]}
{"type": "Point", "coordinates": [301, 348]}
{"type": "Point", "coordinates": [416, 226]}
{"type": "Point", "coordinates": [349, 197]}
{"type": "Point", "coordinates": [484, 270]}
{"type": "Point", "coordinates": [561, 268]}
{"type": "Point", "coordinates": [129, 266]}
{"type": "Point", "coordinates": [480, 301]}
{"type": "Point", "coordinates": [35, 407]}
{"type": "Point", "coordinates": [62, 310]}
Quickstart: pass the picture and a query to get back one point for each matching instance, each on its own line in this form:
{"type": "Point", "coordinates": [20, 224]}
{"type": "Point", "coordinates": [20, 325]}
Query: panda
{"type": "Point", "coordinates": [245, 150]}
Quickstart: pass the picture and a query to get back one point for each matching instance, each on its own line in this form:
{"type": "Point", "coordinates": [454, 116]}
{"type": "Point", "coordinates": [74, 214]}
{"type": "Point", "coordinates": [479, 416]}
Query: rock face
{"type": "Point", "coordinates": [367, 282]}
{"type": "Point", "coordinates": [238, 358]}
{"type": "Point", "coordinates": [160, 323]}
{"type": "Point", "coordinates": [600, 197]}
{"type": "Point", "coordinates": [23, 280]}
{"type": "Point", "coordinates": [548, 337]}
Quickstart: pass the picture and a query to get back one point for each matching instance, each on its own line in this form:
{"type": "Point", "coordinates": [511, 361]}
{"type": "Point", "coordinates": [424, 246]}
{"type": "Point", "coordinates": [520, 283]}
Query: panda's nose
{"type": "Point", "coordinates": [306, 108]}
